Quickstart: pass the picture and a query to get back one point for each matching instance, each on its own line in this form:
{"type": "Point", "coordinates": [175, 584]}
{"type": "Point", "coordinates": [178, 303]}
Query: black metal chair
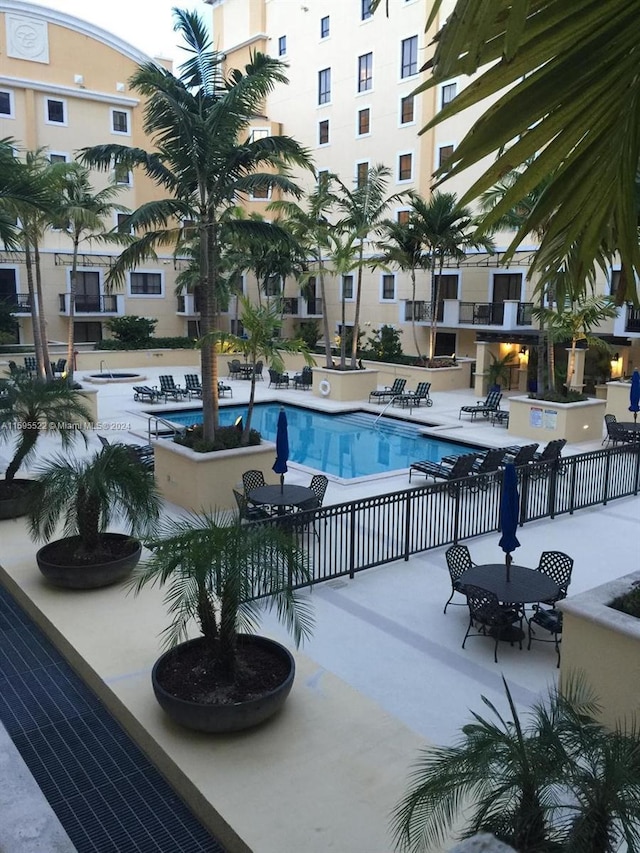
{"type": "Point", "coordinates": [415, 398]}
{"type": "Point", "coordinates": [484, 467]}
{"type": "Point", "coordinates": [318, 486]}
{"type": "Point", "coordinates": [168, 388]}
{"type": "Point", "coordinates": [519, 456]}
{"type": "Point", "coordinates": [388, 392]}
{"type": "Point", "coordinates": [257, 371]}
{"type": "Point", "coordinates": [483, 407]}
{"type": "Point", "coordinates": [458, 561]}
{"type": "Point", "coordinates": [460, 468]}
{"type": "Point", "coordinates": [234, 369]}
{"type": "Point", "coordinates": [193, 385]}
{"type": "Point", "coordinates": [558, 566]}
{"type": "Point", "coordinates": [552, 455]}
{"type": "Point", "coordinates": [251, 480]}
{"type": "Point", "coordinates": [490, 617]}
{"type": "Point", "coordinates": [550, 621]}
{"type": "Point", "coordinates": [278, 380]}
{"type": "Point", "coordinates": [246, 511]}
{"type": "Point", "coordinates": [144, 393]}
{"type": "Point", "coordinates": [30, 364]}
{"type": "Point", "coordinates": [304, 379]}
{"type": "Point", "coordinates": [142, 453]}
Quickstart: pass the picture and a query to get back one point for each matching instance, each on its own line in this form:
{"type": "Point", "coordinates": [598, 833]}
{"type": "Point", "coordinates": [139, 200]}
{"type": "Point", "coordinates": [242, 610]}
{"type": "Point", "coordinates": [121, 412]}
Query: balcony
{"type": "Point", "coordinates": [188, 305]}
{"type": "Point", "coordinates": [421, 312]}
{"type": "Point", "coordinates": [508, 315]}
{"type": "Point", "coordinates": [18, 303]}
{"type": "Point", "coordinates": [627, 323]}
{"type": "Point", "coordinates": [300, 307]}
{"type": "Point", "coordinates": [112, 305]}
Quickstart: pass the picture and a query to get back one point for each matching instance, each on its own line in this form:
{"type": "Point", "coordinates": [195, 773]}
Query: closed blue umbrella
{"type": "Point", "coordinates": [282, 447]}
{"type": "Point", "coordinates": [509, 514]}
{"type": "Point", "coordinates": [634, 395]}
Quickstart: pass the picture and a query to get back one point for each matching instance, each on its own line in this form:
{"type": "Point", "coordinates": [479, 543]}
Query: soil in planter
{"type": "Point", "coordinates": [628, 603]}
{"type": "Point", "coordinates": [14, 489]}
{"type": "Point", "coordinates": [191, 674]}
{"type": "Point", "coordinates": [66, 551]}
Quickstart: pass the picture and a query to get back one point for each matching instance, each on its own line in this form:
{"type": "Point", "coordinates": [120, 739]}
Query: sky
{"type": "Point", "coordinates": [146, 24]}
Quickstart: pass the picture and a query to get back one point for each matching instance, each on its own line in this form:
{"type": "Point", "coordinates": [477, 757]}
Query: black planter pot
{"type": "Point", "coordinates": [59, 573]}
{"type": "Point", "coordinates": [14, 507]}
{"type": "Point", "coordinates": [221, 718]}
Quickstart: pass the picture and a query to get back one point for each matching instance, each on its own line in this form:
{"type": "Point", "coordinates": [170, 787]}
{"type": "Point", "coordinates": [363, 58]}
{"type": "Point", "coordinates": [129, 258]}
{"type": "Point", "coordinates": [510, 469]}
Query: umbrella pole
{"type": "Point", "coordinates": [507, 560]}
{"type": "Point", "coordinates": [281, 484]}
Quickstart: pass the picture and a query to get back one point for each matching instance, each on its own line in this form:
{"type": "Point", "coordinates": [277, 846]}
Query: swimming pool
{"type": "Point", "coordinates": [348, 445]}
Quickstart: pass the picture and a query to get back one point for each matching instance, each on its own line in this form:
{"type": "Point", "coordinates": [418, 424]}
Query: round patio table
{"type": "Point", "coordinates": [281, 496]}
{"type": "Point", "coordinates": [526, 586]}
{"type": "Point", "coordinates": [632, 427]}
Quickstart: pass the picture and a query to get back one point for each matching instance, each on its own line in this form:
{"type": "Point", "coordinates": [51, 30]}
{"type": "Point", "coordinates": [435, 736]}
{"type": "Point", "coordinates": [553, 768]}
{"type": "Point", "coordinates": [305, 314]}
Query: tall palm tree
{"type": "Point", "coordinates": [17, 187]}
{"type": "Point", "coordinates": [365, 207]}
{"type": "Point", "coordinates": [204, 159]}
{"type": "Point", "coordinates": [343, 256]}
{"type": "Point", "coordinates": [447, 230]}
{"type": "Point", "coordinates": [566, 80]}
{"type": "Point", "coordinates": [82, 211]}
{"type": "Point", "coordinates": [561, 782]}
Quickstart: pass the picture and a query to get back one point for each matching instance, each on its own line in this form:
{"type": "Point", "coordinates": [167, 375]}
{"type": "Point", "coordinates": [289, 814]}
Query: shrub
{"type": "Point", "coordinates": [309, 333]}
{"type": "Point", "coordinates": [384, 344]}
{"type": "Point", "coordinates": [557, 397]}
{"type": "Point", "coordinates": [628, 603]}
{"type": "Point", "coordinates": [227, 438]}
{"type": "Point", "coordinates": [132, 330]}
{"type": "Point", "coordinates": [150, 343]}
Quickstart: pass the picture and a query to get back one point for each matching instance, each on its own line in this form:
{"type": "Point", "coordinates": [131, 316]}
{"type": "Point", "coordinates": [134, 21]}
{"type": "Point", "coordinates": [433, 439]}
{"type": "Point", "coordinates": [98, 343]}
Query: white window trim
{"type": "Point", "coordinates": [115, 224]}
{"type": "Point", "coordinates": [156, 271]}
{"type": "Point", "coordinates": [355, 171]}
{"type": "Point", "coordinates": [323, 144]}
{"type": "Point", "coordinates": [88, 269]}
{"type": "Point", "coordinates": [65, 111]}
{"type": "Point", "coordinates": [458, 276]}
{"type": "Point", "coordinates": [522, 271]}
{"type": "Point", "coordinates": [399, 210]}
{"type": "Point", "coordinates": [329, 102]}
{"type": "Point", "coordinates": [442, 144]}
{"type": "Point", "coordinates": [328, 36]}
{"type": "Point", "coordinates": [12, 104]}
{"type": "Point", "coordinates": [385, 299]}
{"type": "Point", "coordinates": [126, 132]}
{"type": "Point", "coordinates": [65, 154]}
{"type": "Point", "coordinates": [400, 154]}
{"type": "Point", "coordinates": [353, 289]}
{"type": "Point", "coordinates": [415, 104]}
{"type": "Point", "coordinates": [264, 131]}
{"type": "Point", "coordinates": [286, 45]}
{"type": "Point", "coordinates": [129, 182]}
{"type": "Point", "coordinates": [441, 88]}
{"type": "Point", "coordinates": [364, 92]}
{"type": "Point", "coordinates": [358, 111]}
{"type": "Point", "coordinates": [253, 198]}
{"type": "Point", "coordinates": [417, 71]}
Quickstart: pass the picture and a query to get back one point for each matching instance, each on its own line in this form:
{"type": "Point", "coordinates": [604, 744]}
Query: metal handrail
{"type": "Point", "coordinates": [170, 429]}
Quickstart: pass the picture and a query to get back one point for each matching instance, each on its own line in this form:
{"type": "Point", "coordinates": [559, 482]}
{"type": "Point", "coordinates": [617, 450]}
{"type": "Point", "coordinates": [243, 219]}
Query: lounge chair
{"type": "Point", "coordinates": [193, 385]}
{"type": "Point", "coordinates": [224, 389]}
{"type": "Point", "coordinates": [30, 364]}
{"type": "Point", "coordinates": [461, 468]}
{"type": "Point", "coordinates": [145, 393]}
{"type": "Point", "coordinates": [304, 379]}
{"type": "Point", "coordinates": [278, 380]}
{"type": "Point", "coordinates": [168, 388]}
{"type": "Point", "coordinates": [520, 456]}
{"type": "Point", "coordinates": [552, 452]}
{"type": "Point", "coordinates": [483, 407]}
{"type": "Point", "coordinates": [415, 398]}
{"type": "Point", "coordinates": [388, 392]}
{"type": "Point", "coordinates": [142, 453]}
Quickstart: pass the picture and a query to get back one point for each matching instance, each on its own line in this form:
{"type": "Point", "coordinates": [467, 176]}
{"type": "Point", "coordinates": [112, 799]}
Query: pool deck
{"type": "Point", "coordinates": [383, 674]}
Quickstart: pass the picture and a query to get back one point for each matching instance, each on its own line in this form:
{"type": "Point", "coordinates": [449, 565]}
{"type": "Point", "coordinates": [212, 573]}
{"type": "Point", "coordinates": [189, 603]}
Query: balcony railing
{"type": "Point", "coordinates": [19, 303]}
{"type": "Point", "coordinates": [421, 311]}
{"type": "Point", "coordinates": [290, 306]}
{"type": "Point", "coordinates": [188, 304]}
{"type": "Point", "coordinates": [314, 307]}
{"type": "Point", "coordinates": [633, 319]}
{"type": "Point", "coordinates": [493, 313]}
{"type": "Point", "coordinates": [84, 304]}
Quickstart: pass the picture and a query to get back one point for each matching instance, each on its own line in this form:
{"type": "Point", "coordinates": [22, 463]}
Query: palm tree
{"type": "Point", "coordinates": [446, 230]}
{"type": "Point", "coordinates": [204, 159]}
{"type": "Point", "coordinates": [402, 246]}
{"type": "Point", "coordinates": [343, 255]}
{"type": "Point", "coordinates": [17, 188]}
{"type": "Point", "coordinates": [36, 406]}
{"type": "Point", "coordinates": [82, 211]}
{"type": "Point", "coordinates": [212, 567]}
{"type": "Point", "coordinates": [364, 207]}
{"type": "Point", "coordinates": [571, 93]}
{"type": "Point", "coordinates": [561, 783]}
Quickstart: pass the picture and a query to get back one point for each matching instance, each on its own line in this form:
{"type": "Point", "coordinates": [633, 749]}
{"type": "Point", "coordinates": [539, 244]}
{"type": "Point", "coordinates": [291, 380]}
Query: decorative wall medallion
{"type": "Point", "coordinates": [27, 38]}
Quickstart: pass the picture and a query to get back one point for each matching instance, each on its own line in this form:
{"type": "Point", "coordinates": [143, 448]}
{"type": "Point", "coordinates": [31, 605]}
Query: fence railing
{"type": "Point", "coordinates": [347, 538]}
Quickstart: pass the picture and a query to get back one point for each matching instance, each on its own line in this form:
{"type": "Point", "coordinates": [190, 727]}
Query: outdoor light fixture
{"type": "Point", "coordinates": [616, 357]}
{"type": "Point", "coordinates": [238, 423]}
{"type": "Point", "coordinates": [523, 350]}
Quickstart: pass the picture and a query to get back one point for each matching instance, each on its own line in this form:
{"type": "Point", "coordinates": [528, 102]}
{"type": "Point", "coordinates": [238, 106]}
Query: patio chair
{"type": "Point", "coordinates": [246, 511]}
{"type": "Point", "coordinates": [278, 380]}
{"type": "Point", "coordinates": [146, 393]}
{"type": "Point", "coordinates": [415, 398]}
{"type": "Point", "coordinates": [551, 453]}
{"type": "Point", "coordinates": [318, 486]}
{"type": "Point", "coordinates": [558, 566]}
{"type": "Point", "coordinates": [484, 467]}
{"type": "Point", "coordinates": [616, 434]}
{"type": "Point", "coordinates": [251, 480]}
{"type": "Point", "coordinates": [458, 561]}
{"type": "Point", "coordinates": [461, 468]}
{"type": "Point", "coordinates": [234, 369]}
{"type": "Point", "coordinates": [257, 371]}
{"type": "Point", "coordinates": [30, 364]}
{"type": "Point", "coordinates": [519, 456]}
{"type": "Point", "coordinates": [142, 452]}
{"type": "Point", "coordinates": [304, 379]}
{"type": "Point", "coordinates": [193, 385]}
{"type": "Point", "coordinates": [224, 389]}
{"type": "Point", "coordinates": [483, 407]}
{"type": "Point", "coordinates": [550, 621]}
{"type": "Point", "coordinates": [57, 367]}
{"type": "Point", "coordinates": [168, 388]}
{"type": "Point", "coordinates": [491, 618]}
{"type": "Point", "coordinates": [388, 392]}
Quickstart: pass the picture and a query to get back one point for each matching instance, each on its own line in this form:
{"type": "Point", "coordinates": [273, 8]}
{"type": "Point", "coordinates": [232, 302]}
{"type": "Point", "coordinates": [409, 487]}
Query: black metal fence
{"type": "Point", "coordinates": [347, 538]}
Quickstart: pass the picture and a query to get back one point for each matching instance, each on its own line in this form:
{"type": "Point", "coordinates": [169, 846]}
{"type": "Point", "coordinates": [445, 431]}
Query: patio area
{"type": "Point", "coordinates": [383, 674]}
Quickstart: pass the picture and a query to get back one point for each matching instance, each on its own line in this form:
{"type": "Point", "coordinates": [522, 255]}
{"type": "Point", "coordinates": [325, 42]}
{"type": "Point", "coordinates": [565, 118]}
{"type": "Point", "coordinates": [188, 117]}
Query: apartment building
{"type": "Point", "coordinates": [63, 86]}
{"type": "Point", "coordinates": [350, 101]}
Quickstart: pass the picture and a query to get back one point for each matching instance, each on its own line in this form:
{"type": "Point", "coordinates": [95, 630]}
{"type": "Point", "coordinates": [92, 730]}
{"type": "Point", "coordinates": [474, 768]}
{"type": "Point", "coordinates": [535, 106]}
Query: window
{"type": "Point", "coordinates": [445, 153]}
{"type": "Point", "coordinates": [145, 284]}
{"type": "Point", "coordinates": [409, 61]}
{"type": "Point", "coordinates": [405, 167]}
{"type": "Point", "coordinates": [6, 103]}
{"type": "Point", "coordinates": [615, 282]}
{"type": "Point", "coordinates": [55, 111]}
{"type": "Point", "coordinates": [282, 45]}
{"type": "Point", "coordinates": [365, 72]}
{"type": "Point", "coordinates": [403, 216]}
{"type": "Point", "coordinates": [447, 93]}
{"type": "Point", "coordinates": [323, 178]}
{"type": "Point", "coordinates": [507, 286]}
{"type": "Point", "coordinates": [406, 110]}
{"type": "Point", "coordinates": [446, 286]}
{"type": "Point", "coordinates": [347, 287]}
{"type": "Point", "coordinates": [445, 343]}
{"type": "Point", "coordinates": [364, 121]}
{"type": "Point", "coordinates": [324, 86]}
{"type": "Point", "coordinates": [84, 333]}
{"type": "Point", "coordinates": [259, 133]}
{"type": "Point", "coordinates": [325, 27]}
{"type": "Point", "coordinates": [57, 158]}
{"type": "Point", "coordinates": [365, 9]}
{"type": "Point", "coordinates": [362, 173]}
{"type": "Point", "coordinates": [122, 176]}
{"type": "Point", "coordinates": [323, 132]}
{"type": "Point", "coordinates": [388, 286]}
{"type": "Point", "coordinates": [273, 285]}
{"type": "Point", "coordinates": [193, 329]}
{"type": "Point", "coordinates": [122, 223]}
{"type": "Point", "coordinates": [120, 121]}
{"type": "Point", "coordinates": [260, 193]}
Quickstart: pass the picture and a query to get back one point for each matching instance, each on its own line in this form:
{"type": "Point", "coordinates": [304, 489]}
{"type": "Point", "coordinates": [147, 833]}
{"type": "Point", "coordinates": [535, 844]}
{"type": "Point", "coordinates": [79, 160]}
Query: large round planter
{"type": "Point", "coordinates": [89, 576]}
{"type": "Point", "coordinates": [230, 717]}
{"type": "Point", "coordinates": [15, 507]}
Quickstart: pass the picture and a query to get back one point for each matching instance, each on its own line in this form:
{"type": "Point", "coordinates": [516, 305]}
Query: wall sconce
{"type": "Point", "coordinates": [615, 358]}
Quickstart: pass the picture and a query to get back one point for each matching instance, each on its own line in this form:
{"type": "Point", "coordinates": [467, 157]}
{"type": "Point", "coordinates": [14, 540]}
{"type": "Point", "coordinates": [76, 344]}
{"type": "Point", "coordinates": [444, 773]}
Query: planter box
{"type": "Point", "coordinates": [441, 378]}
{"type": "Point", "coordinates": [344, 385]}
{"type": "Point", "coordinates": [199, 481]}
{"type": "Point", "coordinates": [604, 645]}
{"type": "Point", "coordinates": [544, 421]}
{"type": "Point", "coordinates": [618, 400]}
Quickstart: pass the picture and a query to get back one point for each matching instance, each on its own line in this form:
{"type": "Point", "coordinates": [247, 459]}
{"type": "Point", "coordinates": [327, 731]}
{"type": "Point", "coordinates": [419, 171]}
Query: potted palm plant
{"type": "Point", "coordinates": [88, 495]}
{"type": "Point", "coordinates": [213, 568]}
{"type": "Point", "coordinates": [499, 371]}
{"type": "Point", "coordinates": [32, 406]}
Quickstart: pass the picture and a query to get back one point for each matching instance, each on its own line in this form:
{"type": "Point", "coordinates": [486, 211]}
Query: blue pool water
{"type": "Point", "coordinates": [349, 445]}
